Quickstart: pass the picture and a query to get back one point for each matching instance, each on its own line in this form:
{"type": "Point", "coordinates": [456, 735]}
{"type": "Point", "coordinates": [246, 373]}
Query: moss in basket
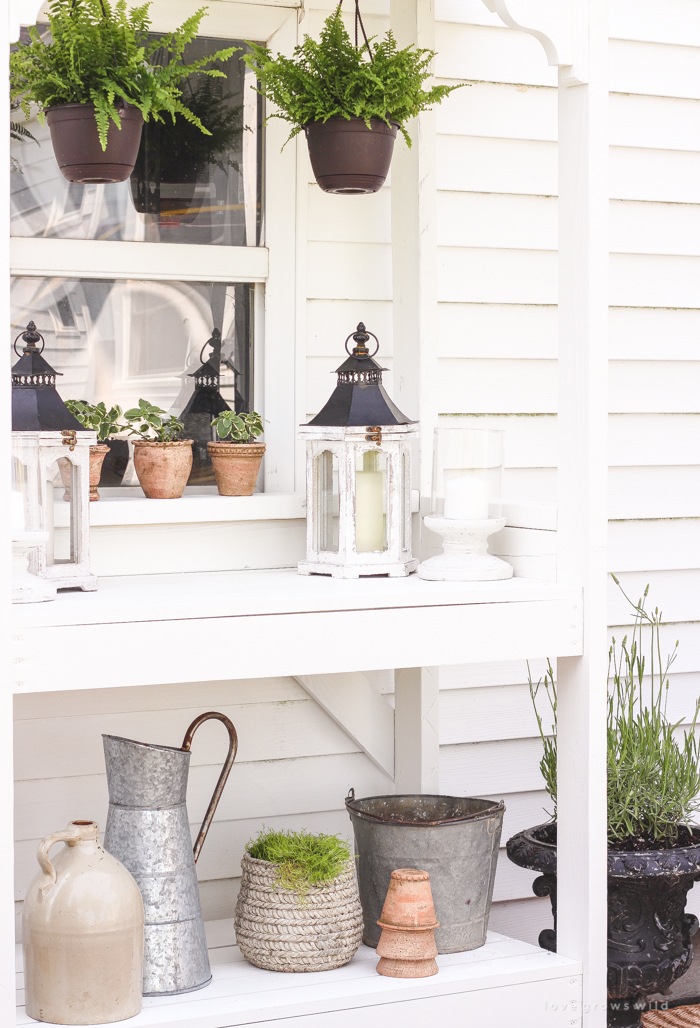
{"type": "Point", "coordinates": [333, 78]}
{"type": "Point", "coordinates": [302, 860]}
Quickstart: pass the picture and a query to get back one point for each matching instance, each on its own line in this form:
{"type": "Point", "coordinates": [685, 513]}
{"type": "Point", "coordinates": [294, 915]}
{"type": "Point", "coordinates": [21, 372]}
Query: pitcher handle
{"type": "Point", "coordinates": [70, 836]}
{"type": "Point", "coordinates": [223, 777]}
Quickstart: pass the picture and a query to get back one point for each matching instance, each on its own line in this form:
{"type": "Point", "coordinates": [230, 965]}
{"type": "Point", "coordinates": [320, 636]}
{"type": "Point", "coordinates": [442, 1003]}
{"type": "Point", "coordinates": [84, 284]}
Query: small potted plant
{"type": "Point", "coordinates": [236, 457]}
{"type": "Point", "coordinates": [653, 846]}
{"type": "Point", "coordinates": [98, 419]}
{"type": "Point", "coordinates": [98, 79]}
{"type": "Point", "coordinates": [162, 460]}
{"type": "Point", "coordinates": [350, 102]}
{"type": "Point", "coordinates": [298, 908]}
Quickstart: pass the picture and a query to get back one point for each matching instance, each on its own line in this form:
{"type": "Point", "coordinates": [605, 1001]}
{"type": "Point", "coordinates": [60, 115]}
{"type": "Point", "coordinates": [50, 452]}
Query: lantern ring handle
{"type": "Point", "coordinates": [364, 357]}
{"type": "Point", "coordinates": [29, 331]}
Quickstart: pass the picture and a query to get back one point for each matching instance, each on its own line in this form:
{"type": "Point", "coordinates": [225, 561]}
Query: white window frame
{"type": "Point", "coordinates": [272, 267]}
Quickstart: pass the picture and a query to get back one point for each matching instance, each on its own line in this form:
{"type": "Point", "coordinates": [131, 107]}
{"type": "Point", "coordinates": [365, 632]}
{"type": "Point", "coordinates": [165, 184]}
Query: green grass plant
{"type": "Point", "coordinates": [653, 767]}
{"type": "Point", "coordinates": [302, 860]}
{"type": "Point", "coordinates": [332, 78]}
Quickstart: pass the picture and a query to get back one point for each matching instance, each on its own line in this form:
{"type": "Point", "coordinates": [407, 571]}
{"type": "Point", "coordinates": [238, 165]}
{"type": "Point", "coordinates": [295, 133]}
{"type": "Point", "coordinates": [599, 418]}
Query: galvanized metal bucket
{"type": "Point", "coordinates": [148, 830]}
{"type": "Point", "coordinates": [454, 838]}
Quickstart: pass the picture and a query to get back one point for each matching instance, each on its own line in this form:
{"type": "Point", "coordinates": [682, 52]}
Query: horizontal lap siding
{"type": "Point", "coordinates": [497, 346]}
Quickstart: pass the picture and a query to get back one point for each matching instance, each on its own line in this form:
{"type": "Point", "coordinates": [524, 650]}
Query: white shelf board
{"type": "Point", "coordinates": [191, 508]}
{"type": "Point", "coordinates": [241, 994]}
{"type": "Point", "coordinates": [215, 626]}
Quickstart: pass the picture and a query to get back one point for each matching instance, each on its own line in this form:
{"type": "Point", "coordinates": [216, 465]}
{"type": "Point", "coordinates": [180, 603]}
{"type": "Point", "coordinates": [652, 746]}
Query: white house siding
{"type": "Point", "coordinates": [496, 205]}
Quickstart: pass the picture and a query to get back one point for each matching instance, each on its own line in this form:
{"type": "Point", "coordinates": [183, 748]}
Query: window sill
{"type": "Point", "coordinates": [195, 508]}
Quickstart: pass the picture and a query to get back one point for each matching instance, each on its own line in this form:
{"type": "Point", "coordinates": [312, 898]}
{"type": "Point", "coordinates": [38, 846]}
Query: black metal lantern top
{"type": "Point", "coordinates": [359, 398]}
{"type": "Point", "coordinates": [36, 406]}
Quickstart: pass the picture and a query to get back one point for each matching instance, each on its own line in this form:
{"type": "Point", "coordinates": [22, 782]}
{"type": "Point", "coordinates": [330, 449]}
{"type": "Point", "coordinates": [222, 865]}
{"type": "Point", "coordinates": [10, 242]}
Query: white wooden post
{"type": "Point", "coordinates": [582, 485]}
{"type": "Point", "coordinates": [417, 730]}
{"type": "Point", "coordinates": [414, 255]}
{"type": "Point", "coordinates": [574, 34]}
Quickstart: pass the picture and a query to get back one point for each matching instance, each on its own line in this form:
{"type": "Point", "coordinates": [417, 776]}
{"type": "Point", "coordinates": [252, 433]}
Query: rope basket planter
{"type": "Point", "coordinates": [282, 930]}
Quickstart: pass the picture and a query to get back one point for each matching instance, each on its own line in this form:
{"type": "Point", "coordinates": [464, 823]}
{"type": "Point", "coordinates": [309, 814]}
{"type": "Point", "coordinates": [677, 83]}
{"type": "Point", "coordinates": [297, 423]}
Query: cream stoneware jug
{"type": "Point", "coordinates": [82, 933]}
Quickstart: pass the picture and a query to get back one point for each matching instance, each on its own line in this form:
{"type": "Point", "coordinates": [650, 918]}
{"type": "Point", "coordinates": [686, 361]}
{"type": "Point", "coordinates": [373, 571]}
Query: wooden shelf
{"type": "Point", "coordinates": [159, 629]}
{"type": "Point", "coordinates": [537, 990]}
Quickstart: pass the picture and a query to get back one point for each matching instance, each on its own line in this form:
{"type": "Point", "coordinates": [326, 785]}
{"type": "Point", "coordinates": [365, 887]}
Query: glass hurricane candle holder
{"type": "Point", "coordinates": [466, 505]}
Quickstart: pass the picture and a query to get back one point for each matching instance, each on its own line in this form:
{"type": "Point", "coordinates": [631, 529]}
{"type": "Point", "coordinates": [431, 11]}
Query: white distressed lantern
{"type": "Point", "coordinates": [50, 448]}
{"type": "Point", "coordinates": [358, 476]}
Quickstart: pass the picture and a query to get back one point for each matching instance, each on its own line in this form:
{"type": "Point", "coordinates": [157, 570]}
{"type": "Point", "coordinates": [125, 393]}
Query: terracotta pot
{"type": "Point", "coordinates": [407, 954]}
{"type": "Point", "coordinates": [409, 901]}
{"type": "Point", "coordinates": [76, 143]}
{"type": "Point", "coordinates": [163, 468]}
{"type": "Point", "coordinates": [82, 933]}
{"type": "Point", "coordinates": [347, 157]}
{"type": "Point", "coordinates": [236, 466]}
{"type": "Point", "coordinates": [97, 456]}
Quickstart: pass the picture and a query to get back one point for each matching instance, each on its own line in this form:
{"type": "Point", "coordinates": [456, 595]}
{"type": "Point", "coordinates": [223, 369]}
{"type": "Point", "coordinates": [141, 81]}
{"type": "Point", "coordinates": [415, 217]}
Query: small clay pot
{"type": "Point", "coordinates": [347, 157]}
{"type": "Point", "coordinates": [236, 466]}
{"type": "Point", "coordinates": [97, 455]}
{"type": "Point", "coordinates": [407, 954]}
{"type": "Point", "coordinates": [76, 143]}
{"type": "Point", "coordinates": [163, 468]}
{"type": "Point", "coordinates": [409, 901]}
{"type": "Point", "coordinates": [407, 944]}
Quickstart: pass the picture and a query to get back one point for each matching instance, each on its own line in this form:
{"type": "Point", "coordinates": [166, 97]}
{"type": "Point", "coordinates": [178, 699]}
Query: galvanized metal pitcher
{"type": "Point", "coordinates": [148, 830]}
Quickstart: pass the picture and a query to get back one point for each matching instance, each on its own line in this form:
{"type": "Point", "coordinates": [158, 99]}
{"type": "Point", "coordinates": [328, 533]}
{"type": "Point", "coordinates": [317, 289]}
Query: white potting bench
{"type": "Point", "coordinates": [280, 623]}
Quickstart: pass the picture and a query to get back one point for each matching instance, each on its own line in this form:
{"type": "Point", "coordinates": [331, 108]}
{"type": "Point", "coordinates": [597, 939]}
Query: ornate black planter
{"type": "Point", "coordinates": [648, 929]}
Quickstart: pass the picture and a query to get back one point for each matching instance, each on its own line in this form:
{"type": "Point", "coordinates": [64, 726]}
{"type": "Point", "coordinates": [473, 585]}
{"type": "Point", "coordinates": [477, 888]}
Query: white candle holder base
{"type": "Point", "coordinates": [28, 588]}
{"type": "Point", "coordinates": [465, 556]}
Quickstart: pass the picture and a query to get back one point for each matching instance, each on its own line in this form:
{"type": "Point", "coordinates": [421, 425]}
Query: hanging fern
{"type": "Point", "coordinates": [333, 78]}
{"type": "Point", "coordinates": [100, 54]}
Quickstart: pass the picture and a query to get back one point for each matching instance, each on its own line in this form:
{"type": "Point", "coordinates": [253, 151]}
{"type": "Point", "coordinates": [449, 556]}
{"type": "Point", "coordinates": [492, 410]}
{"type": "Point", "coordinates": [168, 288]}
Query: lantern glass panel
{"type": "Point", "coordinates": [405, 500]}
{"type": "Point", "coordinates": [326, 502]}
{"type": "Point", "coordinates": [62, 484]}
{"type": "Point", "coordinates": [467, 473]}
{"type": "Point", "coordinates": [370, 502]}
{"type": "Point", "coordinates": [19, 496]}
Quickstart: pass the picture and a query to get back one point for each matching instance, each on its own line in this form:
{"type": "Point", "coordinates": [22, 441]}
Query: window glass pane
{"type": "Point", "coordinates": [186, 187]}
{"type": "Point", "coordinates": [119, 340]}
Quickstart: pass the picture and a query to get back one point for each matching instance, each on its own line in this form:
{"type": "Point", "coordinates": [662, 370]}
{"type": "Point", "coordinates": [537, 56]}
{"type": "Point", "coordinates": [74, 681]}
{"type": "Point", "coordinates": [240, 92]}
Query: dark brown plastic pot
{"type": "Point", "coordinates": [347, 157]}
{"type": "Point", "coordinates": [77, 144]}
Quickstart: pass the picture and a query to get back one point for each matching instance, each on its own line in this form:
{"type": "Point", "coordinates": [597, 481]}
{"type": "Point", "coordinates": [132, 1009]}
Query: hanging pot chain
{"type": "Point", "coordinates": [358, 21]}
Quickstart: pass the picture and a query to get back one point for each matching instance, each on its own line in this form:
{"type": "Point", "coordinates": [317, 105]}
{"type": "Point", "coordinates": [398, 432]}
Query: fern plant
{"type": "Point", "coordinates": [332, 78]}
{"type": "Point", "coordinates": [653, 772]}
{"type": "Point", "coordinates": [100, 54]}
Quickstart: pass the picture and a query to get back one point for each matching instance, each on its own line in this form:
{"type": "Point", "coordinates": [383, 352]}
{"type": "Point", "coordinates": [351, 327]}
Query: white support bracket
{"type": "Point", "coordinates": [360, 710]}
{"type": "Point", "coordinates": [559, 25]}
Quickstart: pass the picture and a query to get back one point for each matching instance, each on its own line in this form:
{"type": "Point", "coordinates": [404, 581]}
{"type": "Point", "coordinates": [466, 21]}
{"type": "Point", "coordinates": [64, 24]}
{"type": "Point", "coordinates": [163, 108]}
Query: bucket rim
{"type": "Point", "coordinates": [146, 746]}
{"type": "Point", "coordinates": [480, 815]}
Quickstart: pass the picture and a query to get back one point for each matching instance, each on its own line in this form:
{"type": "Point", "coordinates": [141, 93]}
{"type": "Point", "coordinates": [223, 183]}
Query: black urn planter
{"type": "Point", "coordinates": [648, 930]}
{"type": "Point", "coordinates": [76, 143]}
{"type": "Point", "coordinates": [347, 157]}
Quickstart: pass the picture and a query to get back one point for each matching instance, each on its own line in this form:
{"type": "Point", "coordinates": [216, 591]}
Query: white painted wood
{"type": "Point", "coordinates": [349, 271]}
{"type": "Point", "coordinates": [226, 19]}
{"type": "Point", "coordinates": [415, 271]}
{"type": "Point", "coordinates": [491, 55]}
{"type": "Point", "coordinates": [524, 918]}
{"type": "Point", "coordinates": [561, 28]}
{"type": "Point", "coordinates": [491, 768]}
{"type": "Point", "coordinates": [654, 545]}
{"type": "Point", "coordinates": [417, 730]}
{"type": "Point", "coordinates": [678, 21]}
{"type": "Point", "coordinates": [582, 422]}
{"type": "Point", "coordinates": [243, 994]}
{"type": "Point", "coordinates": [349, 219]}
{"type": "Point", "coordinates": [362, 712]}
{"type": "Point", "coordinates": [88, 258]}
{"type": "Point", "coordinates": [329, 321]}
{"type": "Point", "coordinates": [405, 632]}
{"type": "Point", "coordinates": [653, 69]}
{"type": "Point", "coordinates": [191, 509]}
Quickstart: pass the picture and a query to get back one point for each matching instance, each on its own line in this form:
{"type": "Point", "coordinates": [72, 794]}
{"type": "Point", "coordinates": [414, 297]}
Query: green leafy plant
{"type": "Point", "coordinates": [97, 418]}
{"type": "Point", "coordinates": [152, 423]}
{"type": "Point", "coordinates": [302, 860]}
{"type": "Point", "coordinates": [333, 78]}
{"type": "Point", "coordinates": [239, 428]}
{"type": "Point", "coordinates": [653, 772]}
{"type": "Point", "coordinates": [100, 54]}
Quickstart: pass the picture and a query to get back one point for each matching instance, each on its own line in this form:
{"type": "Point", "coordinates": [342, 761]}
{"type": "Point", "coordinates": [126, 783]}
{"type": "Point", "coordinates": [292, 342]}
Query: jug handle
{"type": "Point", "coordinates": [223, 777]}
{"type": "Point", "coordinates": [69, 836]}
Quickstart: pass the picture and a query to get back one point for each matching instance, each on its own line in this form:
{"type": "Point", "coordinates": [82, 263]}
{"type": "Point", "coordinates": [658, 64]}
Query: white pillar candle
{"type": "Point", "coordinates": [466, 498]}
{"type": "Point", "coordinates": [369, 505]}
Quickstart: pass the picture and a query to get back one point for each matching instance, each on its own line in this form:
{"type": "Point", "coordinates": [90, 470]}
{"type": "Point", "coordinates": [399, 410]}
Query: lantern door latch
{"type": "Point", "coordinates": [374, 434]}
{"type": "Point", "coordinates": [69, 438]}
